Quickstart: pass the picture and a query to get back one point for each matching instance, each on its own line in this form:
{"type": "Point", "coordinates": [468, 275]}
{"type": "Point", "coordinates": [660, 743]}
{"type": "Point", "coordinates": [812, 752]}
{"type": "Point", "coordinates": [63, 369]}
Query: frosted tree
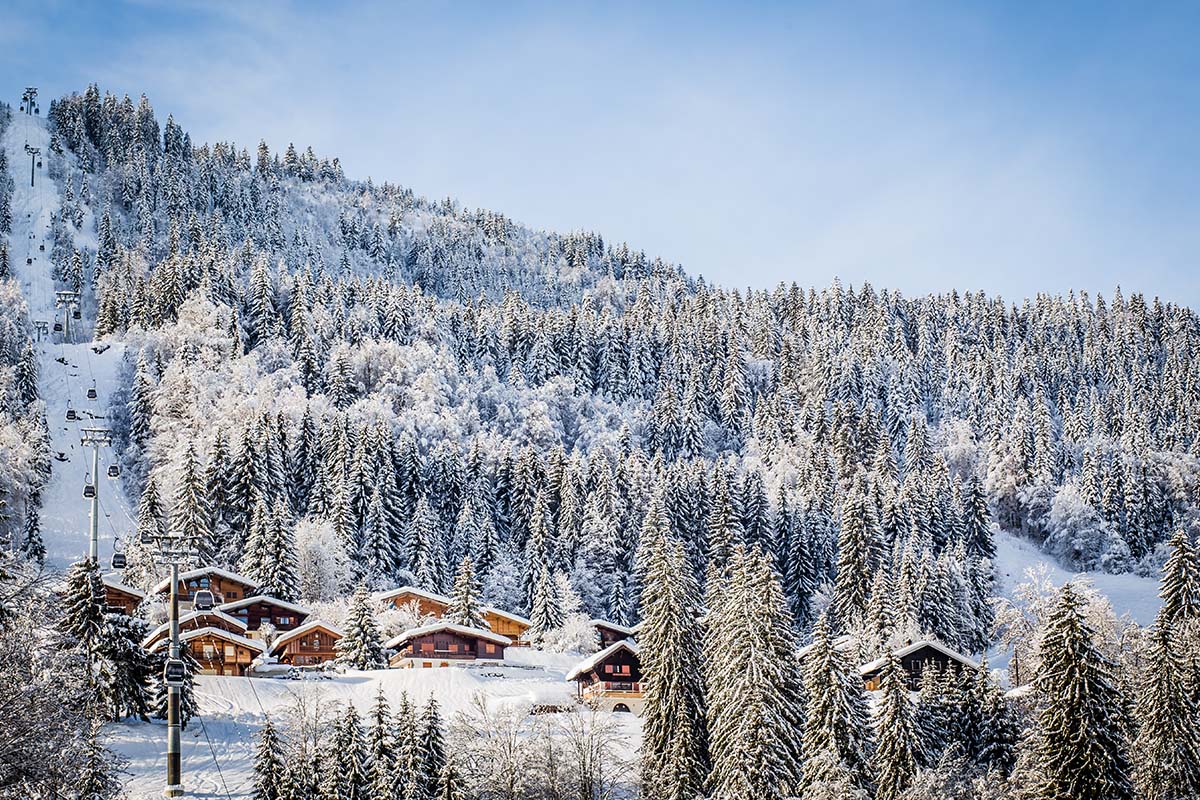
{"type": "Point", "coordinates": [1180, 590]}
{"type": "Point", "coordinates": [361, 647]}
{"type": "Point", "coordinates": [1080, 745]}
{"type": "Point", "coordinates": [343, 773]}
{"type": "Point", "coordinates": [1166, 750]}
{"type": "Point", "coordinates": [894, 761]}
{"type": "Point", "coordinates": [381, 751]}
{"type": "Point", "coordinates": [465, 603]}
{"type": "Point", "coordinates": [190, 513]}
{"type": "Point", "coordinates": [433, 748]}
{"type": "Point", "coordinates": [675, 738]}
{"type": "Point", "coordinates": [547, 613]}
{"type": "Point", "coordinates": [857, 542]}
{"type": "Point", "coordinates": [270, 766]}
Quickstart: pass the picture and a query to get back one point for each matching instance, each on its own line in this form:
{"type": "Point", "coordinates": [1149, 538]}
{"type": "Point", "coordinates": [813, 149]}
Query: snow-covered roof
{"type": "Point", "coordinates": [192, 615]}
{"type": "Point", "coordinates": [442, 599]}
{"type": "Point", "coordinates": [165, 583]}
{"type": "Point", "coordinates": [442, 625]}
{"type": "Point", "coordinates": [914, 647]}
{"type": "Point", "coordinates": [284, 638]}
{"type": "Point", "coordinates": [594, 660]}
{"type": "Point", "coordinates": [596, 623]}
{"type": "Point", "coordinates": [265, 598]}
{"type": "Point", "coordinates": [113, 583]}
{"type": "Point", "coordinates": [220, 633]}
{"type": "Point", "coordinates": [841, 643]}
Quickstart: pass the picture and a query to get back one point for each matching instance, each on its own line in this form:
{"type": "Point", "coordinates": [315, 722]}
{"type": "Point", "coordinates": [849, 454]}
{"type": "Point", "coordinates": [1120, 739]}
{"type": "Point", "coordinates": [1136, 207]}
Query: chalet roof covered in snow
{"type": "Point", "coordinates": [220, 633]}
{"type": "Point", "coordinates": [200, 572]}
{"type": "Point", "coordinates": [953, 655]}
{"type": "Point", "coordinates": [307, 627]}
{"type": "Point", "coordinates": [190, 616]}
{"type": "Point", "coordinates": [112, 583]}
{"type": "Point", "coordinates": [268, 600]}
{"type": "Point", "coordinates": [597, 623]}
{"type": "Point", "coordinates": [442, 599]}
{"type": "Point", "coordinates": [594, 660]}
{"type": "Point", "coordinates": [435, 627]}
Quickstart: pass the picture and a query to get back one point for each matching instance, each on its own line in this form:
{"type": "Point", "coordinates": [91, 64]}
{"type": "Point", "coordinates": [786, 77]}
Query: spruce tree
{"type": "Point", "coordinates": [270, 766]}
{"type": "Point", "coordinates": [465, 607]}
{"type": "Point", "coordinates": [381, 753]}
{"type": "Point", "coordinates": [857, 541]}
{"type": "Point", "coordinates": [1167, 746]}
{"type": "Point", "coordinates": [126, 669]}
{"type": "Point", "coordinates": [546, 614]}
{"type": "Point", "coordinates": [895, 757]}
{"type": "Point", "coordinates": [344, 774]}
{"type": "Point", "coordinates": [361, 647]}
{"type": "Point", "coordinates": [1180, 590]}
{"type": "Point", "coordinates": [433, 747]}
{"type": "Point", "coordinates": [675, 738]}
{"type": "Point", "coordinates": [190, 513]}
{"type": "Point", "coordinates": [1080, 749]}
{"type": "Point", "coordinates": [836, 732]}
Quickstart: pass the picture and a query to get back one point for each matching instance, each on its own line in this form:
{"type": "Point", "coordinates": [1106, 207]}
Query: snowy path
{"type": "Point", "coordinates": [67, 370]}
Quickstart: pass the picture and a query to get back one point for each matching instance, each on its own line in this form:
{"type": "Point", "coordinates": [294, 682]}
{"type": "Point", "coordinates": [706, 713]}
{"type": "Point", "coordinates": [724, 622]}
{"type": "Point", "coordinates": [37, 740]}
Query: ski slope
{"type": "Point", "coordinates": [66, 369]}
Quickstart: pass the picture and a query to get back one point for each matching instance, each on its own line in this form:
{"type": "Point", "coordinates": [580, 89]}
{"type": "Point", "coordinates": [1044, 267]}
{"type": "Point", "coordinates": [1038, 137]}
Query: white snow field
{"type": "Point", "coordinates": [66, 370]}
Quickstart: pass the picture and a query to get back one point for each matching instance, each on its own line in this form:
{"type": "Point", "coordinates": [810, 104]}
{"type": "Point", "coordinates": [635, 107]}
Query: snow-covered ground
{"type": "Point", "coordinates": [67, 369]}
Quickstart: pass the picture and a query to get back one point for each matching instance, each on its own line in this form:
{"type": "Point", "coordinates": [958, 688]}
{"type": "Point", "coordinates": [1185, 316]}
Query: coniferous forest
{"type": "Point", "coordinates": [335, 387]}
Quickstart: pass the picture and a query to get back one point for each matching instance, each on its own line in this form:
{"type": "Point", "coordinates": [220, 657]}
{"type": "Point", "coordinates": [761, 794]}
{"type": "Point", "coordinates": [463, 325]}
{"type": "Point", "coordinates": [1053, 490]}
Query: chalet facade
{"type": "Point", "coordinates": [194, 621]}
{"type": "Point", "coordinates": [260, 608]}
{"type": "Point", "coordinates": [610, 632]}
{"type": "Point", "coordinates": [121, 598]}
{"type": "Point", "coordinates": [216, 650]}
{"type": "Point", "coordinates": [444, 644]}
{"type": "Point", "coordinates": [511, 626]}
{"type": "Point", "coordinates": [226, 586]}
{"type": "Point", "coordinates": [312, 644]}
{"type": "Point", "coordinates": [915, 658]}
{"type": "Point", "coordinates": [611, 679]}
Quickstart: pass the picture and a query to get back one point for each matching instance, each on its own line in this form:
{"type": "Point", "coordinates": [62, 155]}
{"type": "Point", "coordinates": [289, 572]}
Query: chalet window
{"type": "Point", "coordinates": [231, 595]}
{"type": "Point", "coordinates": [285, 620]}
{"type": "Point", "coordinates": [210, 652]}
{"type": "Point", "coordinates": [204, 583]}
{"type": "Point", "coordinates": [608, 669]}
{"type": "Point", "coordinates": [426, 647]}
{"type": "Point", "coordinates": [489, 648]}
{"type": "Point", "coordinates": [442, 644]}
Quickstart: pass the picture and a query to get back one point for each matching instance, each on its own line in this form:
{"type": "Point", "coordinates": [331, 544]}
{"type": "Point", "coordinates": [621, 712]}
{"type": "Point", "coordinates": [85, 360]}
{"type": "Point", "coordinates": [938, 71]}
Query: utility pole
{"type": "Point", "coordinates": [172, 551]}
{"type": "Point", "coordinates": [33, 154]}
{"type": "Point", "coordinates": [94, 437]}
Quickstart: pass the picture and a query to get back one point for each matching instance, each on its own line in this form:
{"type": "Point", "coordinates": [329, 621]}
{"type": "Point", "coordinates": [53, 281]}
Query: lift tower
{"type": "Point", "coordinates": [94, 438]}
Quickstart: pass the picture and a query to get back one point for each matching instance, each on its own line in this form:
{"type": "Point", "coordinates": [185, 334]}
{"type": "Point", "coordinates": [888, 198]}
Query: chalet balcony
{"type": "Point", "coordinates": [469, 655]}
{"type": "Point", "coordinates": [613, 688]}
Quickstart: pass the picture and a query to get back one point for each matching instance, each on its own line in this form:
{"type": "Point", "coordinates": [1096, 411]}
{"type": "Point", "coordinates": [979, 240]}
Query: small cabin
{"type": "Point", "coordinates": [611, 678]}
{"type": "Point", "coordinates": [444, 644]}
{"type": "Point", "coordinates": [260, 608]}
{"type": "Point", "coordinates": [226, 586]}
{"type": "Point", "coordinates": [217, 651]}
{"type": "Point", "coordinates": [194, 621]}
{"type": "Point", "coordinates": [512, 626]}
{"type": "Point", "coordinates": [915, 658]}
{"type": "Point", "coordinates": [309, 645]}
{"type": "Point", "coordinates": [121, 598]}
{"type": "Point", "coordinates": [610, 632]}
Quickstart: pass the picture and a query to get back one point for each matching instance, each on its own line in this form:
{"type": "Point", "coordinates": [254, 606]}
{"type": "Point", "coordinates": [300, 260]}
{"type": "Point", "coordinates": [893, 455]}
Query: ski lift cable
{"type": "Point", "coordinates": [213, 751]}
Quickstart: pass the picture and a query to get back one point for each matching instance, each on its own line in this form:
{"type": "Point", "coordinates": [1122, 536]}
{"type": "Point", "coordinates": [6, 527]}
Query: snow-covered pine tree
{"type": "Point", "coordinates": [1166, 749]}
{"type": "Point", "coordinates": [675, 737]}
{"type": "Point", "coordinates": [84, 607]}
{"type": "Point", "coordinates": [546, 614]}
{"type": "Point", "coordinates": [361, 647]}
{"type": "Point", "coordinates": [270, 765]}
{"type": "Point", "coordinates": [1079, 749]}
{"type": "Point", "coordinates": [97, 779]}
{"type": "Point", "coordinates": [1180, 591]}
{"type": "Point", "coordinates": [381, 751]}
{"type": "Point", "coordinates": [190, 512]}
{"type": "Point", "coordinates": [433, 747]}
{"type": "Point", "coordinates": [126, 668]}
{"type": "Point", "coordinates": [836, 733]}
{"type": "Point", "coordinates": [857, 541]}
{"type": "Point", "coordinates": [466, 607]}
{"type": "Point", "coordinates": [188, 706]}
{"type": "Point", "coordinates": [275, 572]}
{"type": "Point", "coordinates": [894, 761]}
{"type": "Point", "coordinates": [754, 716]}
{"type": "Point", "coordinates": [344, 776]}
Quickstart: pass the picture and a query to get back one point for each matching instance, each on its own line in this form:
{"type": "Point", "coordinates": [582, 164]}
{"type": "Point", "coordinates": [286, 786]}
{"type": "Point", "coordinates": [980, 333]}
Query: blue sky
{"type": "Point", "coordinates": [1007, 147]}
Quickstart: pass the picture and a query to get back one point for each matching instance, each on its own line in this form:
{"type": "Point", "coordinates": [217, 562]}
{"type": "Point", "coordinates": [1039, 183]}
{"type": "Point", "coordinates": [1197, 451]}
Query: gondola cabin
{"type": "Point", "coordinates": [312, 644]}
{"type": "Point", "coordinates": [916, 657]}
{"type": "Point", "coordinates": [121, 598]}
{"type": "Point", "coordinates": [610, 632]}
{"type": "Point", "coordinates": [432, 604]}
{"type": "Point", "coordinates": [261, 608]}
{"type": "Point", "coordinates": [226, 586]}
{"type": "Point", "coordinates": [217, 651]}
{"type": "Point", "coordinates": [444, 644]}
{"type": "Point", "coordinates": [611, 679]}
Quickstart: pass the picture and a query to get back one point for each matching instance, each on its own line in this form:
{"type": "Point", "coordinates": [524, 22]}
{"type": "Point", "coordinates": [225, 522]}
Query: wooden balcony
{"type": "Point", "coordinates": [613, 689]}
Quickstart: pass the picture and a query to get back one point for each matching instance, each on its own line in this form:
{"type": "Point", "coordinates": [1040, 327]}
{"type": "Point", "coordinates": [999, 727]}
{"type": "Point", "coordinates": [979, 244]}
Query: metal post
{"type": "Point", "coordinates": [174, 752]}
{"type": "Point", "coordinates": [94, 547]}
{"type": "Point", "coordinates": [32, 164]}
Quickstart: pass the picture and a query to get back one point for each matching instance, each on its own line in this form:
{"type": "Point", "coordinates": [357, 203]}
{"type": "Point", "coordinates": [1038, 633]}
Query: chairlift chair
{"type": "Point", "coordinates": [174, 672]}
{"type": "Point", "coordinates": [118, 561]}
{"type": "Point", "coordinates": [203, 600]}
{"type": "Point", "coordinates": [89, 491]}
{"type": "Point", "coordinates": [114, 471]}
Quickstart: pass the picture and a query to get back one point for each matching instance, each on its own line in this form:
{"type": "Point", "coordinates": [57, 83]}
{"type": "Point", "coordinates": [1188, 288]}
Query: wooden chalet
{"type": "Point", "coordinates": [611, 678]}
{"type": "Point", "coordinates": [218, 651]}
{"type": "Point", "coordinates": [444, 644]}
{"type": "Point", "coordinates": [432, 604]}
{"type": "Point", "coordinates": [226, 586]}
{"type": "Point", "coordinates": [611, 632]}
{"type": "Point", "coordinates": [121, 598]}
{"type": "Point", "coordinates": [916, 657]}
{"type": "Point", "coordinates": [194, 621]}
{"type": "Point", "coordinates": [260, 608]}
{"type": "Point", "coordinates": [309, 645]}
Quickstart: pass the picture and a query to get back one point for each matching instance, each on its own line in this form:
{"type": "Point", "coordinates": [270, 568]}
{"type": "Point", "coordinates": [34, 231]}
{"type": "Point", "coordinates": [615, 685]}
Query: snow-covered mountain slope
{"type": "Point", "coordinates": [232, 711]}
{"type": "Point", "coordinates": [66, 369]}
